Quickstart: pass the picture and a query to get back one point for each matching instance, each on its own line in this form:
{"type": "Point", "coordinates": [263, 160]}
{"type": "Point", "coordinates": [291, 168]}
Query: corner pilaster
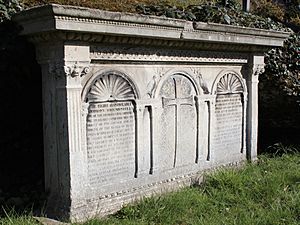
{"type": "Point", "coordinates": [251, 72]}
{"type": "Point", "coordinates": [65, 157]}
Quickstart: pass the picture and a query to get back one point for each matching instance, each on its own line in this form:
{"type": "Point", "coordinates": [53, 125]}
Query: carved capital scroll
{"type": "Point", "coordinates": [254, 67]}
{"type": "Point", "coordinates": [258, 69]}
{"type": "Point", "coordinates": [72, 69]}
{"type": "Point", "coordinates": [76, 69]}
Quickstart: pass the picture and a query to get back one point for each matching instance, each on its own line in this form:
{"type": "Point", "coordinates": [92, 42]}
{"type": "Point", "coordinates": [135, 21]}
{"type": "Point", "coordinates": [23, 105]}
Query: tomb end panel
{"type": "Point", "coordinates": [229, 118]}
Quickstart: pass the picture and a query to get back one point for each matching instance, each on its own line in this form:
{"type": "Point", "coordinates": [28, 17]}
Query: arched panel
{"type": "Point", "coordinates": [186, 77]}
{"type": "Point", "coordinates": [110, 87]}
{"type": "Point", "coordinates": [110, 130]}
{"type": "Point", "coordinates": [230, 83]}
{"type": "Point", "coordinates": [178, 122]}
{"type": "Point", "coordinates": [229, 115]}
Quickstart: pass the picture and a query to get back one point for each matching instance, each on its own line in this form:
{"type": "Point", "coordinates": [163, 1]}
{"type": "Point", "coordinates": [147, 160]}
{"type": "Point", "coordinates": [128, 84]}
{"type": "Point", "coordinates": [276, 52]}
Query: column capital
{"type": "Point", "coordinates": [60, 69]}
{"type": "Point", "coordinates": [65, 59]}
{"type": "Point", "coordinates": [254, 67]}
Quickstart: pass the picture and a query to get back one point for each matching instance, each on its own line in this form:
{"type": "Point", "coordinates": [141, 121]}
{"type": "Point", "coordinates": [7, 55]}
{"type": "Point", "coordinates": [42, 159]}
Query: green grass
{"type": "Point", "coordinates": [13, 218]}
{"type": "Point", "coordinates": [264, 193]}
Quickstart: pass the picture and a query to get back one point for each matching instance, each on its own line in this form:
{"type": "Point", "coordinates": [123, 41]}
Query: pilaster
{"type": "Point", "coordinates": [251, 72]}
{"type": "Point", "coordinates": [65, 159]}
{"type": "Point", "coordinates": [212, 126]}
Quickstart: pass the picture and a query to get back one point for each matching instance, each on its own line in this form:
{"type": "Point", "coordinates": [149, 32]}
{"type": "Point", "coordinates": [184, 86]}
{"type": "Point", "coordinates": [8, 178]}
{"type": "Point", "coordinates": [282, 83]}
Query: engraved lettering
{"type": "Point", "coordinates": [110, 142]}
{"type": "Point", "coordinates": [229, 122]}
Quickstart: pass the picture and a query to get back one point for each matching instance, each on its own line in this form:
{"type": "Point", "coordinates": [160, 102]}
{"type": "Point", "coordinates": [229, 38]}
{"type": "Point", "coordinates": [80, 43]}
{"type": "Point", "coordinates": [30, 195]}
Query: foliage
{"type": "Point", "coordinates": [221, 11]}
{"type": "Point", "coordinates": [279, 94]}
{"type": "Point", "coordinates": [111, 5]}
{"type": "Point", "coordinates": [283, 66]}
{"type": "Point", "coordinates": [225, 12]}
{"type": "Point", "coordinates": [288, 13]}
{"type": "Point", "coordinates": [8, 8]}
{"type": "Point", "coordinates": [279, 84]}
{"type": "Point", "coordinates": [268, 8]}
{"type": "Point", "coordinates": [293, 12]}
{"type": "Point", "coordinates": [280, 149]}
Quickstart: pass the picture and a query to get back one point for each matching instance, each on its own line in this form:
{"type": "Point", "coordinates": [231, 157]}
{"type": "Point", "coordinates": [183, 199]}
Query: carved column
{"type": "Point", "coordinates": [244, 138]}
{"type": "Point", "coordinates": [203, 147]}
{"type": "Point", "coordinates": [251, 71]}
{"type": "Point", "coordinates": [139, 154]}
{"type": "Point", "coordinates": [212, 126]}
{"type": "Point", "coordinates": [199, 153]}
{"type": "Point", "coordinates": [63, 65]}
{"type": "Point", "coordinates": [156, 148]}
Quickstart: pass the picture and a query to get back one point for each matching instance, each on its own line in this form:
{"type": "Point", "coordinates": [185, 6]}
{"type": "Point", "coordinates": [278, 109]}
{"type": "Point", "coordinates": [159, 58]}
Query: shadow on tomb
{"type": "Point", "coordinates": [21, 136]}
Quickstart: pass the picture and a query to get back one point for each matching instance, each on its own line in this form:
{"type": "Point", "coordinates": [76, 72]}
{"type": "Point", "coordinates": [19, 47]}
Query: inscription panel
{"type": "Point", "coordinates": [229, 123]}
{"type": "Point", "coordinates": [110, 142]}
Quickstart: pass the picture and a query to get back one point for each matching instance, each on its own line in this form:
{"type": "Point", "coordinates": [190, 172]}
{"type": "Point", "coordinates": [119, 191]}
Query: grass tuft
{"type": "Point", "coordinates": [11, 217]}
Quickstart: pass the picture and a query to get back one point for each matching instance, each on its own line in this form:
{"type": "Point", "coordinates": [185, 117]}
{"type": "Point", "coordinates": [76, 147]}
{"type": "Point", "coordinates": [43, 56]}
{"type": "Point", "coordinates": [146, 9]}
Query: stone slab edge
{"type": "Point", "coordinates": [55, 17]}
{"type": "Point", "coordinates": [48, 221]}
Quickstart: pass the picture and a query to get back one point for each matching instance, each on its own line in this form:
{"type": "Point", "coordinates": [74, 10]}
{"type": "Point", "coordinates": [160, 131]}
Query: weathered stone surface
{"type": "Point", "coordinates": [178, 122]}
{"type": "Point", "coordinates": [138, 105]}
{"type": "Point", "coordinates": [229, 113]}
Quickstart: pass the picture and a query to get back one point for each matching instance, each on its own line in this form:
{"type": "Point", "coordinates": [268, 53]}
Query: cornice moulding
{"type": "Point", "coordinates": [53, 18]}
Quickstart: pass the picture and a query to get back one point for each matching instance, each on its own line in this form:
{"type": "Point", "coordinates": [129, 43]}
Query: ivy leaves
{"type": "Point", "coordinates": [284, 64]}
{"type": "Point", "coordinates": [8, 8]}
{"type": "Point", "coordinates": [227, 12]}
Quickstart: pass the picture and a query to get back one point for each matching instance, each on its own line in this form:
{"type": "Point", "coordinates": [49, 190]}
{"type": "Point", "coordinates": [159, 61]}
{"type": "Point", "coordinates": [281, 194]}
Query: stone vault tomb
{"type": "Point", "coordinates": [136, 105]}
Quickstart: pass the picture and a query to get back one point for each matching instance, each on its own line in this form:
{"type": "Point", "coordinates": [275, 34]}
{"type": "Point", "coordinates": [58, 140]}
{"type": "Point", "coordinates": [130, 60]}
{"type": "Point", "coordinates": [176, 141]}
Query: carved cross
{"type": "Point", "coordinates": [177, 102]}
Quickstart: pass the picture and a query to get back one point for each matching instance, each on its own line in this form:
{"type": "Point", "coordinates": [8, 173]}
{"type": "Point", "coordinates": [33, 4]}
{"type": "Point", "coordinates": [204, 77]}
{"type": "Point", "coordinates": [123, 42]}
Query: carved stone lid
{"type": "Point", "coordinates": [79, 20]}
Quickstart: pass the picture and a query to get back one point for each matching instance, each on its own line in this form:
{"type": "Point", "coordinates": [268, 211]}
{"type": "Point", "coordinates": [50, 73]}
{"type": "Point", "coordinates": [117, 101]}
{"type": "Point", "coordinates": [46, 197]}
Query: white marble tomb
{"type": "Point", "coordinates": [136, 105]}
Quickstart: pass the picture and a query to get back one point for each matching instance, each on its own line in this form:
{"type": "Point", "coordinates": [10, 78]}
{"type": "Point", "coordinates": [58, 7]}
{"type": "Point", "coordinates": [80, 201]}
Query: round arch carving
{"type": "Point", "coordinates": [167, 76]}
{"type": "Point", "coordinates": [228, 83]}
{"type": "Point", "coordinates": [109, 86]}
